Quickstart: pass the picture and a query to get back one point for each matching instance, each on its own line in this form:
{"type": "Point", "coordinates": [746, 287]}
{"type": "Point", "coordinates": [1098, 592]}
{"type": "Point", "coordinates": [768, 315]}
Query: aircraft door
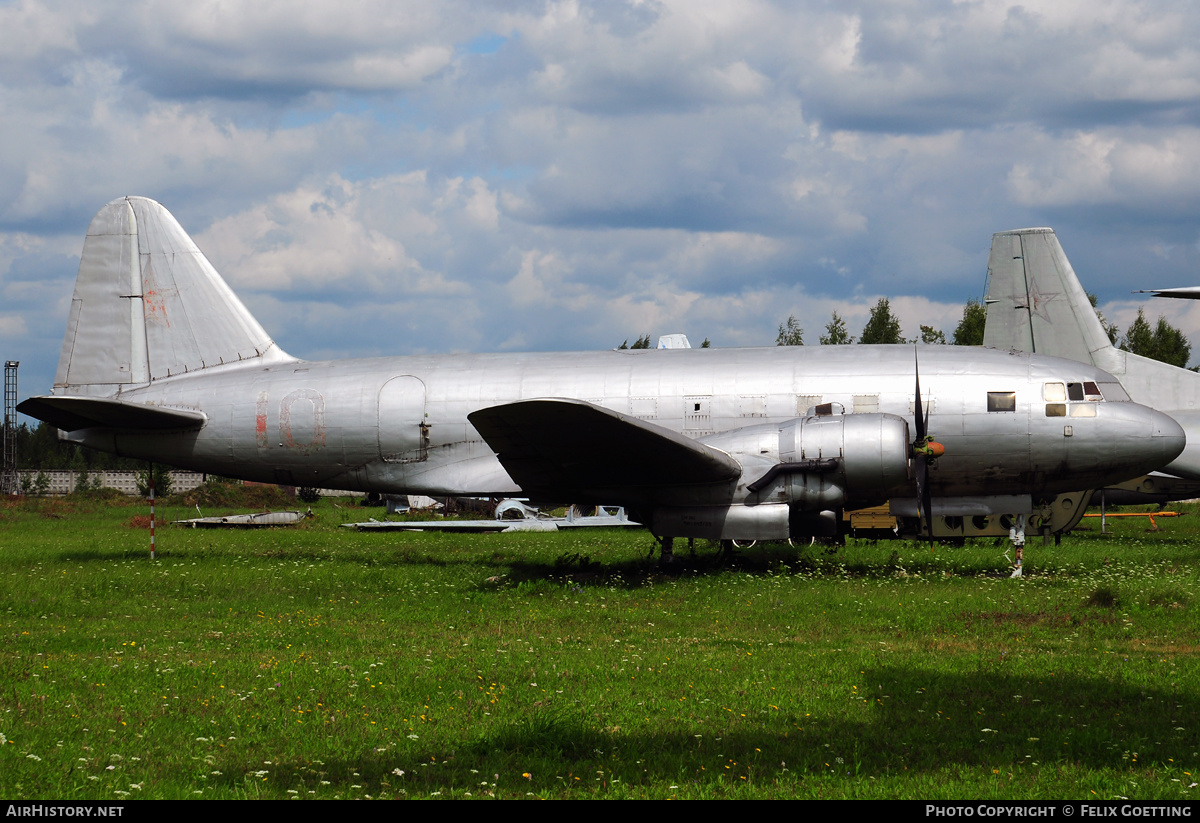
{"type": "Point", "coordinates": [403, 427]}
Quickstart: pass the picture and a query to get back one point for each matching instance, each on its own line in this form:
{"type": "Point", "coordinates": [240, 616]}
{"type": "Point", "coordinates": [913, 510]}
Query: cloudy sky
{"type": "Point", "coordinates": [392, 177]}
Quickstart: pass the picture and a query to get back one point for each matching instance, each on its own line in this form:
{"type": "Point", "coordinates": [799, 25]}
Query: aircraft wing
{"type": "Point", "coordinates": [73, 413]}
{"type": "Point", "coordinates": [573, 450]}
{"type": "Point", "coordinates": [1187, 292]}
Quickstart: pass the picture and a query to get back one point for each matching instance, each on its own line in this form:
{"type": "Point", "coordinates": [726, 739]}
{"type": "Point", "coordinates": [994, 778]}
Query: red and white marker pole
{"type": "Point", "coordinates": [151, 511]}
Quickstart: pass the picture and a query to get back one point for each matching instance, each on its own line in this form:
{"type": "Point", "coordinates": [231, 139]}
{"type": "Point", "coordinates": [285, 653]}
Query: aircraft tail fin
{"type": "Point", "coordinates": [1035, 303]}
{"type": "Point", "coordinates": [149, 305]}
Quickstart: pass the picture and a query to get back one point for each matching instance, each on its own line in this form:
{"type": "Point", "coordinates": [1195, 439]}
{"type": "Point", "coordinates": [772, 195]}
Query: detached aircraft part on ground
{"type": "Point", "coordinates": [528, 519]}
{"type": "Point", "coordinates": [244, 521]}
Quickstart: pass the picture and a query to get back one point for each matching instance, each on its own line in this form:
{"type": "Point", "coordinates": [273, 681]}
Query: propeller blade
{"type": "Point", "coordinates": [921, 418]}
{"type": "Point", "coordinates": [923, 453]}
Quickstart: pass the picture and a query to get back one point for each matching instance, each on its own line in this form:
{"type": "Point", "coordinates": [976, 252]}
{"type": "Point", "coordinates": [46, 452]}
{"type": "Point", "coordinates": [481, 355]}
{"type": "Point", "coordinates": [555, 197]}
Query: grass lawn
{"type": "Point", "coordinates": [318, 662]}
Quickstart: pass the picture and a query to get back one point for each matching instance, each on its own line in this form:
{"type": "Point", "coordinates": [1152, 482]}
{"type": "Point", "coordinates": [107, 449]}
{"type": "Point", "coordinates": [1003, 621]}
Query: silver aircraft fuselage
{"type": "Point", "coordinates": [162, 361]}
{"type": "Point", "coordinates": [400, 424]}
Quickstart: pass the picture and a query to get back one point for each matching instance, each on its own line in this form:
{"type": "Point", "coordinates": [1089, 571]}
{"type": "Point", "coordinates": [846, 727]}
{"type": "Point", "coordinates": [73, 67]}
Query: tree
{"type": "Point", "coordinates": [882, 326]}
{"type": "Point", "coordinates": [1109, 328]}
{"type": "Point", "coordinates": [162, 481]}
{"type": "Point", "coordinates": [1165, 343]}
{"type": "Point", "coordinates": [836, 333]}
{"type": "Point", "coordinates": [932, 336]}
{"type": "Point", "coordinates": [642, 342]}
{"type": "Point", "coordinates": [790, 333]}
{"type": "Point", "coordinates": [85, 482]}
{"type": "Point", "coordinates": [969, 331]}
{"type": "Point", "coordinates": [707, 344]}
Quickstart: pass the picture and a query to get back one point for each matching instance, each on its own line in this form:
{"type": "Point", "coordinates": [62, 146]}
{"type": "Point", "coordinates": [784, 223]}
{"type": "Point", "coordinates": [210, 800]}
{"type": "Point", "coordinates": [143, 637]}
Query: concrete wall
{"type": "Point", "coordinates": [63, 482]}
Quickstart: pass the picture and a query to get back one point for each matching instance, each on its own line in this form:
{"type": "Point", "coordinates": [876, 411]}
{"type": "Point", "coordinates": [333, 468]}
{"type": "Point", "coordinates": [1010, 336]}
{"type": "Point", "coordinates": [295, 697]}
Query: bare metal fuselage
{"type": "Point", "coordinates": [400, 424]}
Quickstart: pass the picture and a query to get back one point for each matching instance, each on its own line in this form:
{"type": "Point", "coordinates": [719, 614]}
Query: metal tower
{"type": "Point", "coordinates": [8, 476]}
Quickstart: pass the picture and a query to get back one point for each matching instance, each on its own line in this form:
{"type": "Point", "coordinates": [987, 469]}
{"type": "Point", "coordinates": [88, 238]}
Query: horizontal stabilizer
{"type": "Point", "coordinates": [73, 413]}
{"type": "Point", "coordinates": [572, 450]}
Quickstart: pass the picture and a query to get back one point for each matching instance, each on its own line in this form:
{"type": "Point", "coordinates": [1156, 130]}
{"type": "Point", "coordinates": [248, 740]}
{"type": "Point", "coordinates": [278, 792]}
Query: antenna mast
{"type": "Point", "coordinates": [8, 476]}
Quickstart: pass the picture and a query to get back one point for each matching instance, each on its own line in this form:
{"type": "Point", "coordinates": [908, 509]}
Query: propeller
{"type": "Point", "coordinates": [925, 450]}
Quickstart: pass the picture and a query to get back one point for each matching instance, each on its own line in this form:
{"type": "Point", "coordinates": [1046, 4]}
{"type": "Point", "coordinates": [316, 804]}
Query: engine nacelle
{"type": "Point", "coordinates": [825, 462]}
{"type": "Point", "coordinates": [737, 522]}
{"type": "Point", "coordinates": [871, 453]}
{"type": "Point", "coordinates": [797, 475]}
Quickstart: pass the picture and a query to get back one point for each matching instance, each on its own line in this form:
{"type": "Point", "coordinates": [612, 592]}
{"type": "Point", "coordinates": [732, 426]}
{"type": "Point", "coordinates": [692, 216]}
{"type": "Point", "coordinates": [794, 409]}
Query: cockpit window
{"type": "Point", "coordinates": [1113, 392]}
{"type": "Point", "coordinates": [1002, 401]}
{"type": "Point", "coordinates": [1083, 391]}
{"type": "Point", "coordinates": [1081, 396]}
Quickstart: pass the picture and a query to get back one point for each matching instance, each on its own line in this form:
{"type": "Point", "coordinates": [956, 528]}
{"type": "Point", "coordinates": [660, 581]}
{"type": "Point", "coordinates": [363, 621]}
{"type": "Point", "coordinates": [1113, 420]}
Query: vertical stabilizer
{"type": "Point", "coordinates": [149, 305]}
{"type": "Point", "coordinates": [1035, 303]}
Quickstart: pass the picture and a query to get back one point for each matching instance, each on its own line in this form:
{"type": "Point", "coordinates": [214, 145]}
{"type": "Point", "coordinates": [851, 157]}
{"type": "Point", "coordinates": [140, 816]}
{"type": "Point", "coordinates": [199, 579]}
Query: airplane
{"type": "Point", "coordinates": [161, 361]}
{"type": "Point", "coordinates": [1185, 293]}
{"type": "Point", "coordinates": [1036, 304]}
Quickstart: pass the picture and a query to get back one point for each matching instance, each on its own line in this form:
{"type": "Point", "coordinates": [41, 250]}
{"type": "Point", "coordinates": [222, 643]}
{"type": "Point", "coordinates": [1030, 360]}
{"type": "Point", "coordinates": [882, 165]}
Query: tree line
{"type": "Point", "coordinates": [1162, 341]}
{"type": "Point", "coordinates": [884, 327]}
{"type": "Point", "coordinates": [38, 448]}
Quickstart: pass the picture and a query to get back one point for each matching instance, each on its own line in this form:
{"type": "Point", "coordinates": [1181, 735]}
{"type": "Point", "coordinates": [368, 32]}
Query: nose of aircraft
{"type": "Point", "coordinates": [1169, 435]}
{"type": "Point", "coordinates": [1144, 439]}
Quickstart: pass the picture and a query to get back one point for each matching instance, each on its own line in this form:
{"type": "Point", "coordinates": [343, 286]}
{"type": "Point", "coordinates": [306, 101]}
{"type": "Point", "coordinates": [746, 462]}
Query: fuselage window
{"type": "Point", "coordinates": [1056, 409]}
{"type": "Point", "coordinates": [1055, 392]}
{"type": "Point", "coordinates": [1002, 401]}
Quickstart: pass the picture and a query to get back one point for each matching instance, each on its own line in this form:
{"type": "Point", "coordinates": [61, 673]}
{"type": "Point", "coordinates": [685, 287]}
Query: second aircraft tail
{"type": "Point", "coordinates": [1035, 303]}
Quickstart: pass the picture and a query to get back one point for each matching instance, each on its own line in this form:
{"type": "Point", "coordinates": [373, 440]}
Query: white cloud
{"type": "Point", "coordinates": [12, 325]}
{"type": "Point", "coordinates": [1111, 166]}
{"type": "Point", "coordinates": [565, 174]}
{"type": "Point", "coordinates": [334, 238]}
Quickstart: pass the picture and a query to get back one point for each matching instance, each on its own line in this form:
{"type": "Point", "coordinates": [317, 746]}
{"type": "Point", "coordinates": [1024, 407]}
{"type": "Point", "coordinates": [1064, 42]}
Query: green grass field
{"type": "Point", "coordinates": [317, 662]}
